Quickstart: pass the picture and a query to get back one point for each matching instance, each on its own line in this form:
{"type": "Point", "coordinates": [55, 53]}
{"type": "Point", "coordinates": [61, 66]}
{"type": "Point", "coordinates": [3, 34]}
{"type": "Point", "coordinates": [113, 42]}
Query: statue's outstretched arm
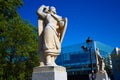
{"type": "Point", "coordinates": [41, 12]}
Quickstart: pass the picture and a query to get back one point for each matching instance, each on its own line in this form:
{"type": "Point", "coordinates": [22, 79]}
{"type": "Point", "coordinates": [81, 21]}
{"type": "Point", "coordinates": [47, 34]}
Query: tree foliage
{"type": "Point", "coordinates": [18, 43]}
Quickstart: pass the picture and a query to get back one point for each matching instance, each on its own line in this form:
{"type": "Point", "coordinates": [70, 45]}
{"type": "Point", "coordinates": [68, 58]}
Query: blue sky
{"type": "Point", "coordinates": [99, 19]}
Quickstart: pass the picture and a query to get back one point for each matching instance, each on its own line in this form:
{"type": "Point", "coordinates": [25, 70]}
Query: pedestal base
{"type": "Point", "coordinates": [49, 73]}
{"type": "Point", "coordinates": [101, 75]}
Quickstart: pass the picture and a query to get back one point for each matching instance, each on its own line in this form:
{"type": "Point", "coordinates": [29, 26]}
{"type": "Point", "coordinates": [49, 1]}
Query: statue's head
{"type": "Point", "coordinates": [53, 9]}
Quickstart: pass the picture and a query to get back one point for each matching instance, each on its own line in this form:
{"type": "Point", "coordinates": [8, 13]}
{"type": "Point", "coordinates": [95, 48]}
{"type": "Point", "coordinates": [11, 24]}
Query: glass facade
{"type": "Point", "coordinates": [77, 61]}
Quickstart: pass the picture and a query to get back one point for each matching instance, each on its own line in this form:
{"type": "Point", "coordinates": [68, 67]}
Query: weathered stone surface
{"type": "Point", "coordinates": [51, 30]}
{"type": "Point", "coordinates": [49, 73]}
{"type": "Point", "coordinates": [101, 75]}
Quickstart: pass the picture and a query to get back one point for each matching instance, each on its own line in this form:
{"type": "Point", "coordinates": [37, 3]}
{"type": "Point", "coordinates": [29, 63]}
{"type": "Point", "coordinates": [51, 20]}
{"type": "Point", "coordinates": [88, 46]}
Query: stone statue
{"type": "Point", "coordinates": [98, 57]}
{"type": "Point", "coordinates": [101, 72]}
{"type": "Point", "coordinates": [51, 28]}
{"type": "Point", "coordinates": [102, 65]}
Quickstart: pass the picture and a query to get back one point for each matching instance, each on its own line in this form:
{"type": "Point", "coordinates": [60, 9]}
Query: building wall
{"type": "Point", "coordinates": [116, 63]}
{"type": "Point", "coordinates": [77, 61]}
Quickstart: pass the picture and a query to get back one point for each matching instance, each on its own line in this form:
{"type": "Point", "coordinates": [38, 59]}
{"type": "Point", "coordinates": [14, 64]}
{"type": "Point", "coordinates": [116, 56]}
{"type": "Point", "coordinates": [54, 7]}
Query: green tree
{"type": "Point", "coordinates": [18, 43]}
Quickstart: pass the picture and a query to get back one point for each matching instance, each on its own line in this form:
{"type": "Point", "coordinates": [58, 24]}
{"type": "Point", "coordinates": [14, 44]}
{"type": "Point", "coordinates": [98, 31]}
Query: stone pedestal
{"type": "Point", "coordinates": [101, 75]}
{"type": "Point", "coordinates": [49, 73]}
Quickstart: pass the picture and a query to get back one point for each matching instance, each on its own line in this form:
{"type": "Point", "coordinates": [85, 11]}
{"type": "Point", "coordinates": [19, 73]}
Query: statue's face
{"type": "Point", "coordinates": [52, 9]}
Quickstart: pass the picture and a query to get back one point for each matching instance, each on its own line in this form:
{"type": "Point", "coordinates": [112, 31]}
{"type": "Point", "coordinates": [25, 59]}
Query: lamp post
{"type": "Point", "coordinates": [89, 48]}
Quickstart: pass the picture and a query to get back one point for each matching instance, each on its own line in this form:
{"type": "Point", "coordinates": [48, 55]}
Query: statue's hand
{"type": "Point", "coordinates": [43, 6]}
{"type": "Point", "coordinates": [46, 8]}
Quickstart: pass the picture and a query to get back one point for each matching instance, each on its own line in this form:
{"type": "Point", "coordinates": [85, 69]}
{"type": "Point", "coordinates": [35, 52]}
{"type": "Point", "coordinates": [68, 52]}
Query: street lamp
{"type": "Point", "coordinates": [89, 48]}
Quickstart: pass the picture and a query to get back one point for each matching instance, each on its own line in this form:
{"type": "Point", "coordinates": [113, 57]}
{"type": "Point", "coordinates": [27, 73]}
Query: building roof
{"type": "Point", "coordinates": [95, 44]}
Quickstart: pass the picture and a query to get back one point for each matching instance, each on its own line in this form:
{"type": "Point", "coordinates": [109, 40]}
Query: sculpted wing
{"type": "Point", "coordinates": [40, 33]}
{"type": "Point", "coordinates": [64, 29]}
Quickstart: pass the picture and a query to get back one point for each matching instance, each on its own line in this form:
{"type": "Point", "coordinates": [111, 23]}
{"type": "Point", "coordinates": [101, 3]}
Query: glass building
{"type": "Point", "coordinates": [77, 61]}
